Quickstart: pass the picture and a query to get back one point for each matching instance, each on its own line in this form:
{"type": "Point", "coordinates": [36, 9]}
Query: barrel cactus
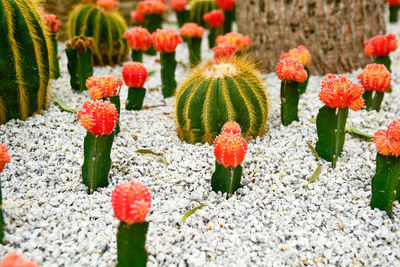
{"type": "Point", "coordinates": [218, 92]}
{"type": "Point", "coordinates": [197, 8]}
{"type": "Point", "coordinates": [107, 28]}
{"type": "Point", "coordinates": [26, 58]}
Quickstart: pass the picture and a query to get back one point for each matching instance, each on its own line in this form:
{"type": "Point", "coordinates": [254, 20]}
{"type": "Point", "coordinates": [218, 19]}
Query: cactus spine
{"type": "Point", "coordinates": [26, 57]}
{"type": "Point", "coordinates": [107, 29]}
{"type": "Point", "coordinates": [216, 93]}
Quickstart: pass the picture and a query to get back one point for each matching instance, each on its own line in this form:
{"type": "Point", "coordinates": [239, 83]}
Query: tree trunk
{"type": "Point", "coordinates": [333, 30]}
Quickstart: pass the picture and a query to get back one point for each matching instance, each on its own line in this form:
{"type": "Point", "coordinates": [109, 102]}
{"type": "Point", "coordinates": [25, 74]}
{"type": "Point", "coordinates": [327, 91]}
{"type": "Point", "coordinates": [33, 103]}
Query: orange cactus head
{"type": "Point", "coordinates": [394, 2]}
{"type": "Point", "coordinates": [14, 260]}
{"type": "Point", "coordinates": [131, 202]}
{"type": "Point", "coordinates": [150, 7]}
{"type": "Point", "coordinates": [340, 92]}
{"type": "Point", "coordinates": [388, 141]}
{"type": "Point", "coordinates": [234, 38]}
{"type": "Point", "coordinates": [231, 127]}
{"type": "Point", "coordinates": [223, 52]}
{"type": "Point", "coordinates": [107, 5]}
{"type": "Point", "coordinates": [4, 156]}
{"type": "Point", "coordinates": [290, 69]}
{"type": "Point", "coordinates": [301, 53]}
{"type": "Point", "coordinates": [98, 117]}
{"type": "Point", "coordinates": [230, 149]}
{"type": "Point", "coordinates": [191, 30]}
{"type": "Point", "coordinates": [137, 17]}
{"type": "Point", "coordinates": [214, 18]}
{"type": "Point", "coordinates": [381, 45]}
{"type": "Point", "coordinates": [103, 86]}
{"type": "Point", "coordinates": [52, 22]}
{"type": "Point", "coordinates": [226, 4]}
{"type": "Point", "coordinates": [138, 38]}
{"type": "Point", "coordinates": [178, 5]}
{"type": "Point", "coordinates": [166, 40]}
{"type": "Point", "coordinates": [375, 77]}
{"type": "Point", "coordinates": [134, 74]}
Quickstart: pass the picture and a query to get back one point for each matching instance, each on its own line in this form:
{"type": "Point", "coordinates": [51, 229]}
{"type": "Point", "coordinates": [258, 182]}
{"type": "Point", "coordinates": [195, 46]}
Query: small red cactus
{"type": "Point", "coordinates": [226, 4]}
{"type": "Point", "coordinates": [98, 117]}
{"type": "Point", "coordinates": [165, 40]}
{"type": "Point", "coordinates": [4, 156]}
{"type": "Point", "coordinates": [107, 4]}
{"type": "Point", "coordinates": [224, 51]}
{"type": "Point", "coordinates": [388, 141]}
{"type": "Point", "coordinates": [138, 38]}
{"type": "Point", "coordinates": [234, 38]}
{"type": "Point", "coordinates": [301, 53]}
{"type": "Point", "coordinates": [14, 260]}
{"type": "Point", "coordinates": [394, 2]}
{"type": "Point", "coordinates": [103, 86]}
{"type": "Point", "coordinates": [137, 17]}
{"type": "Point", "coordinates": [131, 202]}
{"type": "Point", "coordinates": [340, 92]}
{"type": "Point", "coordinates": [53, 22]}
{"type": "Point", "coordinates": [231, 127]}
{"type": "Point", "coordinates": [150, 7]}
{"type": "Point", "coordinates": [375, 77]}
{"type": "Point", "coordinates": [135, 74]}
{"type": "Point", "coordinates": [230, 149]}
{"type": "Point", "coordinates": [178, 5]}
{"type": "Point", "coordinates": [381, 45]}
{"type": "Point", "coordinates": [214, 18]}
{"type": "Point", "coordinates": [291, 69]}
{"type": "Point", "coordinates": [191, 30]}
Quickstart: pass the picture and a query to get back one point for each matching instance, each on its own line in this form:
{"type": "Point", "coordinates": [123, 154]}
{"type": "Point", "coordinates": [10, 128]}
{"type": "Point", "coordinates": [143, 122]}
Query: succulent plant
{"type": "Point", "coordinates": [215, 19]}
{"type": "Point", "coordinates": [224, 51]}
{"type": "Point", "coordinates": [239, 40]}
{"type": "Point", "coordinates": [131, 203]}
{"type": "Point", "coordinates": [25, 61]}
{"type": "Point", "coordinates": [376, 80]}
{"type": "Point", "coordinates": [99, 119]}
{"type": "Point", "coordinates": [385, 184]}
{"type": "Point", "coordinates": [229, 150]}
{"type": "Point", "coordinates": [179, 6]}
{"type": "Point", "coordinates": [394, 7]}
{"type": "Point", "coordinates": [380, 47]}
{"type": "Point", "coordinates": [218, 92]}
{"type": "Point", "coordinates": [197, 8]}
{"type": "Point", "coordinates": [14, 260]}
{"type": "Point", "coordinates": [79, 61]}
{"type": "Point", "coordinates": [106, 26]}
{"type": "Point", "coordinates": [338, 93]}
{"type": "Point", "coordinates": [54, 26]}
{"type": "Point", "coordinates": [228, 6]}
{"type": "Point", "coordinates": [139, 40]}
{"type": "Point", "coordinates": [4, 159]}
{"type": "Point", "coordinates": [193, 35]}
{"type": "Point", "coordinates": [292, 73]}
{"type": "Point", "coordinates": [166, 41]}
{"type": "Point", "coordinates": [135, 75]}
{"type": "Point", "coordinates": [137, 17]}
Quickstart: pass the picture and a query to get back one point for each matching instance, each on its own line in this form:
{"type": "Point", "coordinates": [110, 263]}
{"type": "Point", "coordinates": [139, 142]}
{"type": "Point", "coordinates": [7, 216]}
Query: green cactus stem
{"type": "Point", "coordinates": [331, 129]}
{"type": "Point", "coordinates": [131, 240]}
{"type": "Point", "coordinates": [385, 60]}
{"type": "Point", "coordinates": [373, 99]}
{"type": "Point", "coordinates": [211, 37]}
{"type": "Point", "coordinates": [135, 98]}
{"type": "Point", "coordinates": [152, 23]}
{"type": "Point", "coordinates": [385, 184]}
{"type": "Point", "coordinates": [117, 102]}
{"type": "Point", "coordinates": [303, 85]}
{"type": "Point", "coordinates": [290, 94]}
{"type": "Point", "coordinates": [226, 179]}
{"type": "Point", "coordinates": [182, 17]}
{"type": "Point", "coordinates": [97, 161]}
{"type": "Point", "coordinates": [137, 55]}
{"type": "Point", "coordinates": [168, 66]}
{"type": "Point", "coordinates": [194, 51]}
{"type": "Point", "coordinates": [56, 65]}
{"type": "Point", "coordinates": [197, 8]}
{"type": "Point", "coordinates": [79, 67]}
{"type": "Point", "coordinates": [229, 18]}
{"type": "Point", "coordinates": [394, 13]}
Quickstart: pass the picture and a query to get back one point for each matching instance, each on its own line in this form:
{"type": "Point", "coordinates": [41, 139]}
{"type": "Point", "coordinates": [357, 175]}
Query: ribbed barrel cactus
{"type": "Point", "coordinates": [106, 26]}
{"type": "Point", "coordinates": [218, 92]}
{"type": "Point", "coordinates": [26, 57]}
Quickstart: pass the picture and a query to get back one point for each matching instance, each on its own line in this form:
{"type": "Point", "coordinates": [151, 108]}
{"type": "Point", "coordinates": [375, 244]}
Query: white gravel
{"type": "Point", "coordinates": [275, 219]}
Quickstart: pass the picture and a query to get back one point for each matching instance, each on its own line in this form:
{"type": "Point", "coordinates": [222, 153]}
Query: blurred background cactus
{"type": "Point", "coordinates": [197, 8]}
{"type": "Point", "coordinates": [26, 57]}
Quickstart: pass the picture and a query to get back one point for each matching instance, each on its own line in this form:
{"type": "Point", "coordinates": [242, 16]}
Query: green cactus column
{"type": "Point", "coordinates": [116, 100]}
{"type": "Point", "coordinates": [135, 98]}
{"type": "Point", "coordinates": [303, 85]}
{"type": "Point", "coordinates": [394, 13]}
{"type": "Point", "coordinates": [194, 51]}
{"type": "Point", "coordinates": [79, 67]}
{"type": "Point", "coordinates": [131, 240]}
{"type": "Point", "coordinates": [152, 23]}
{"type": "Point", "coordinates": [290, 94]}
{"type": "Point", "coordinates": [137, 55]}
{"type": "Point", "coordinates": [229, 18]}
{"type": "Point", "coordinates": [168, 67]}
{"type": "Point", "coordinates": [56, 65]}
{"type": "Point", "coordinates": [373, 99]}
{"type": "Point", "coordinates": [182, 17]}
{"type": "Point", "coordinates": [226, 179]}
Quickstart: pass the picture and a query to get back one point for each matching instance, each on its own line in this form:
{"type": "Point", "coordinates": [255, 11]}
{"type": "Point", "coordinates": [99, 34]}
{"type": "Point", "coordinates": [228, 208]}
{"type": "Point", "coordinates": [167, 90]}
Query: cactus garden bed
{"type": "Point", "coordinates": [282, 215]}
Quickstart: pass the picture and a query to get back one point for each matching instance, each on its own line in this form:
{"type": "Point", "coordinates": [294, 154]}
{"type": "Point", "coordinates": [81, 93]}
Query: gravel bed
{"type": "Point", "coordinates": [276, 218]}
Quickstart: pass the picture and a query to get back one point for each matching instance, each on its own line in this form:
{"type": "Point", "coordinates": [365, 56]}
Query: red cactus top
{"type": "Point", "coordinates": [191, 30]}
{"type": "Point", "coordinates": [137, 17]}
{"type": "Point", "coordinates": [150, 7]}
{"type": "Point", "coordinates": [388, 141]}
{"type": "Point", "coordinates": [4, 156]}
{"type": "Point", "coordinates": [214, 18]}
{"type": "Point", "coordinates": [340, 92]}
{"type": "Point", "coordinates": [223, 52]}
{"type": "Point", "coordinates": [98, 117]}
{"type": "Point", "coordinates": [301, 53]}
{"type": "Point", "coordinates": [381, 45]}
{"type": "Point", "coordinates": [231, 127]}
{"type": "Point", "coordinates": [131, 202]}
{"type": "Point", "coordinates": [103, 86]}
{"type": "Point", "coordinates": [290, 69]}
{"type": "Point", "coordinates": [375, 77]}
{"type": "Point", "coordinates": [230, 149]}
{"type": "Point", "coordinates": [165, 40]}
{"type": "Point", "coordinates": [53, 22]}
{"type": "Point", "coordinates": [178, 5]}
{"type": "Point", "coordinates": [138, 38]}
{"type": "Point", "coordinates": [226, 4]}
{"type": "Point", "coordinates": [108, 5]}
{"type": "Point", "coordinates": [135, 74]}
{"type": "Point", "coordinates": [394, 2]}
{"type": "Point", "coordinates": [14, 260]}
{"type": "Point", "coordinates": [234, 38]}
